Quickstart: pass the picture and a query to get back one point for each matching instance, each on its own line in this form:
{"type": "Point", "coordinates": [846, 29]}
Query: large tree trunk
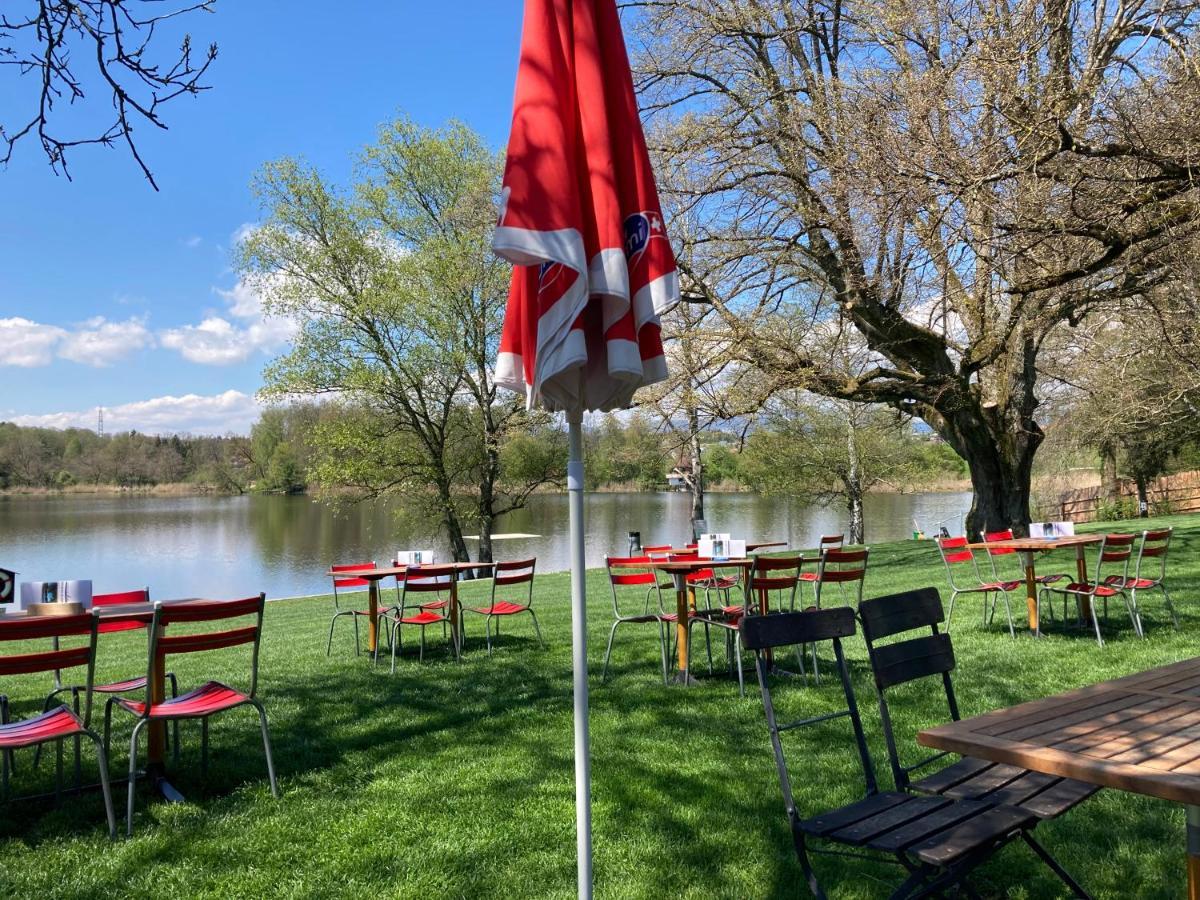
{"type": "Point", "coordinates": [1110, 486]}
{"type": "Point", "coordinates": [697, 480]}
{"type": "Point", "coordinates": [853, 485]}
{"type": "Point", "coordinates": [1143, 498]}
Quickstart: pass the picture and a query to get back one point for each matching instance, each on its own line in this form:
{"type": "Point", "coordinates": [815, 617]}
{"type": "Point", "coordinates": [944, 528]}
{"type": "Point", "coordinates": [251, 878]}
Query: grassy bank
{"type": "Point", "coordinates": [169, 489]}
{"type": "Point", "coordinates": [456, 779]}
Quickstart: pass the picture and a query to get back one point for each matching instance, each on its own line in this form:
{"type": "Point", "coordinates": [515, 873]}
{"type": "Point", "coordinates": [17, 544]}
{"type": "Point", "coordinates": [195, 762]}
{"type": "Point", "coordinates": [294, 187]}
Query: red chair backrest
{"type": "Point", "coordinates": [428, 578]}
{"type": "Point", "coordinates": [1117, 548]}
{"type": "Point", "coordinates": [829, 541]}
{"type": "Point", "coordinates": [208, 611]}
{"type": "Point", "coordinates": [661, 548]}
{"type": "Point", "coordinates": [1155, 543]}
{"type": "Point", "coordinates": [991, 536]}
{"type": "Point", "coordinates": [201, 611]}
{"type": "Point", "coordinates": [852, 565]}
{"type": "Point", "coordinates": [521, 569]}
{"type": "Point", "coordinates": [955, 550]}
{"type": "Point", "coordinates": [790, 564]}
{"type": "Point", "coordinates": [28, 628]}
{"type": "Point", "coordinates": [340, 582]}
{"type": "Point", "coordinates": [618, 577]}
{"type": "Point", "coordinates": [121, 598]}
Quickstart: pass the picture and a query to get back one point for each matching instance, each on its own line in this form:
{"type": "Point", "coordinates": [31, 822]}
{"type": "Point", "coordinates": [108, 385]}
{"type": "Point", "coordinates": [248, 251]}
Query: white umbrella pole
{"type": "Point", "coordinates": [583, 763]}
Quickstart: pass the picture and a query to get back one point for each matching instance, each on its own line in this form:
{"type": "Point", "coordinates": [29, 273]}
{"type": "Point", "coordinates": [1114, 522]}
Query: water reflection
{"type": "Point", "coordinates": [230, 546]}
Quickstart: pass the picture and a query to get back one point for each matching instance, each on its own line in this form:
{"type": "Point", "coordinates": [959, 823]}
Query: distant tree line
{"type": "Point", "coordinates": [53, 458]}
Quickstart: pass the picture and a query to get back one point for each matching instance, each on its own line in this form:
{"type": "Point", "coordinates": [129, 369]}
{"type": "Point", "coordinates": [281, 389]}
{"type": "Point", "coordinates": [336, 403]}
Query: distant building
{"type": "Point", "coordinates": [677, 478]}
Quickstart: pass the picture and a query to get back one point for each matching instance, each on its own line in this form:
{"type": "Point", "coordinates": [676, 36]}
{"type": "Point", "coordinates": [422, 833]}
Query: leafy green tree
{"type": "Point", "coordinates": [399, 304]}
{"type": "Point", "coordinates": [827, 451]}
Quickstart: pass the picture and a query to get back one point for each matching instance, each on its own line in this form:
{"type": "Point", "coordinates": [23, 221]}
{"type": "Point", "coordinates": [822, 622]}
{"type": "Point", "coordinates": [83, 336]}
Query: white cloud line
{"type": "Point", "coordinates": [96, 342]}
{"type": "Point", "coordinates": [230, 412]}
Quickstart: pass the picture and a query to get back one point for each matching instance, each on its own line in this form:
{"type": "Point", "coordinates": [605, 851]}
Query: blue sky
{"type": "Point", "coordinates": [113, 295]}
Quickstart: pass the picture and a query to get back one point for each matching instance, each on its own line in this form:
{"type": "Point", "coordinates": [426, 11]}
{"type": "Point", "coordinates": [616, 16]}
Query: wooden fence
{"type": "Point", "coordinates": [1180, 493]}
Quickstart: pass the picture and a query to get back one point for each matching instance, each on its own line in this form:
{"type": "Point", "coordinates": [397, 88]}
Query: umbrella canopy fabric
{"type": "Point", "coordinates": [581, 219]}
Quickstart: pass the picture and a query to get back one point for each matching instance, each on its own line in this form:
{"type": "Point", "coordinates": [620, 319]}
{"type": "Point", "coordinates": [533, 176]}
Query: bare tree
{"type": "Point", "coordinates": [949, 182]}
{"type": "Point", "coordinates": [69, 48]}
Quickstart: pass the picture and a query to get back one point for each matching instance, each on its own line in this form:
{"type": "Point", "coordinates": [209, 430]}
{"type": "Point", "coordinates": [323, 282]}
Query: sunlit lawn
{"type": "Point", "coordinates": [456, 780]}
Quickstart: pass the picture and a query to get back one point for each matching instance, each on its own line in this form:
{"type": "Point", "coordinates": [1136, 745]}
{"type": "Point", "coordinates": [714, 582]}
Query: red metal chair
{"type": "Point", "coordinates": [827, 542]}
{"type": "Point", "coordinates": [1114, 550]}
{"type": "Point", "coordinates": [842, 567]}
{"type": "Point", "coordinates": [420, 580]}
{"type": "Point", "coordinates": [58, 724]}
{"type": "Point", "coordinates": [1149, 573]}
{"type": "Point", "coordinates": [778, 574]}
{"type": "Point", "coordinates": [621, 573]}
{"type": "Point", "coordinates": [508, 575]}
{"type": "Point", "coordinates": [210, 698]}
{"type": "Point", "coordinates": [349, 581]}
{"type": "Point", "coordinates": [993, 552]}
{"type": "Point", "coordinates": [129, 685]}
{"type": "Point", "coordinates": [957, 555]}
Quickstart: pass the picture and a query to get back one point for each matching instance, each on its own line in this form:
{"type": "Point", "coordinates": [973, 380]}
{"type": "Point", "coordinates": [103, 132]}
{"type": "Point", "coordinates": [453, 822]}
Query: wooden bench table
{"type": "Point", "coordinates": [1140, 734]}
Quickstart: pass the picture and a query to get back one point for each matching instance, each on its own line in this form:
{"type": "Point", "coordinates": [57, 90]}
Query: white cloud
{"type": "Point", "coordinates": [102, 343]}
{"type": "Point", "coordinates": [242, 232]}
{"type": "Point", "coordinates": [193, 242]}
{"type": "Point", "coordinates": [231, 411]}
{"type": "Point", "coordinates": [26, 343]}
{"type": "Point", "coordinates": [221, 340]}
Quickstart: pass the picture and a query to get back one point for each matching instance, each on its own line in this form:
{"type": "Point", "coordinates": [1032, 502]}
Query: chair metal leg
{"type": "Point", "coordinates": [395, 642]}
{"type": "Point", "coordinates": [354, 619]}
{"type": "Point", "coordinates": [174, 725]}
{"type": "Point", "coordinates": [1008, 612]}
{"type": "Point", "coordinates": [329, 643]}
{"type": "Point", "coordinates": [950, 610]}
{"type": "Point", "coordinates": [266, 736]}
{"type": "Point", "coordinates": [487, 633]}
{"type": "Point", "coordinates": [105, 786]}
{"type": "Point", "coordinates": [1169, 604]}
{"type": "Point", "coordinates": [537, 629]}
{"type": "Point", "coordinates": [608, 652]}
{"type": "Point", "coordinates": [1055, 867]}
{"type": "Point", "coordinates": [1096, 622]}
{"type": "Point", "coordinates": [137, 728]}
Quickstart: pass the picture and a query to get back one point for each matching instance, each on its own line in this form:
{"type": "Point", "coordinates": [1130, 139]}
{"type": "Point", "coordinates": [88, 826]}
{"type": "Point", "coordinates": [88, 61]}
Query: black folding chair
{"type": "Point", "coordinates": [932, 654]}
{"type": "Point", "coordinates": [939, 841]}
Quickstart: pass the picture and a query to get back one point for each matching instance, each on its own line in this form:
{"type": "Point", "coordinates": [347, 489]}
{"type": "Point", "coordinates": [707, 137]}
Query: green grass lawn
{"type": "Point", "coordinates": [456, 780]}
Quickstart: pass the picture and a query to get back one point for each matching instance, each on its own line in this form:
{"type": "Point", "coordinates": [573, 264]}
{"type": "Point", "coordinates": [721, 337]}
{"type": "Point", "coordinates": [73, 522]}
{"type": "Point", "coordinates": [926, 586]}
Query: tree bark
{"type": "Point", "coordinates": [1143, 498]}
{"type": "Point", "coordinates": [1110, 486]}
{"type": "Point", "coordinates": [853, 484]}
{"type": "Point", "coordinates": [697, 480]}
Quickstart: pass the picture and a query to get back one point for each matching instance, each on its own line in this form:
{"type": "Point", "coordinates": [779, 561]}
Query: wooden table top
{"type": "Point", "coordinates": [1140, 733]}
{"type": "Point", "coordinates": [1033, 543]}
{"type": "Point", "coordinates": [388, 571]}
{"type": "Point", "coordinates": [130, 611]}
{"type": "Point", "coordinates": [685, 565]}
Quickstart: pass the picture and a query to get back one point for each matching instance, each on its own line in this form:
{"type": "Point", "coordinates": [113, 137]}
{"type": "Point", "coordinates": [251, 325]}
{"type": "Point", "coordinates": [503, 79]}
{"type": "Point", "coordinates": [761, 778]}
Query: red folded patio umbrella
{"type": "Point", "coordinates": [594, 267]}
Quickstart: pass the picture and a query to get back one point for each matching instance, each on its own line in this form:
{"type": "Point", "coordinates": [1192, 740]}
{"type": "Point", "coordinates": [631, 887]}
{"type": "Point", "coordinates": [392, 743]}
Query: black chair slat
{"type": "Point", "coordinates": [909, 660]}
{"type": "Point", "coordinates": [845, 816]}
{"type": "Point", "coordinates": [987, 781]}
{"type": "Point", "coordinates": [928, 826]}
{"type": "Point", "coordinates": [1057, 799]}
{"type": "Point", "coordinates": [1023, 788]}
{"type": "Point", "coordinates": [806, 627]}
{"type": "Point", "coordinates": [984, 830]}
{"type": "Point", "coordinates": [885, 616]}
{"type": "Point", "coordinates": [901, 814]}
{"type": "Point", "coordinates": [943, 779]}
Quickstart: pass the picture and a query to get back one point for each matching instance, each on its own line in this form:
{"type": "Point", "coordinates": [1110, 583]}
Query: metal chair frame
{"type": "Point", "coordinates": [523, 571]}
{"type": "Point", "coordinates": [768, 574]}
{"type": "Point", "coordinates": [1113, 548]}
{"type": "Point", "coordinates": [119, 687]}
{"type": "Point", "coordinates": [55, 660]}
{"type": "Point", "coordinates": [633, 577]}
{"type": "Point", "coordinates": [955, 552]}
{"type": "Point", "coordinates": [825, 542]}
{"type": "Point", "coordinates": [1154, 546]}
{"type": "Point", "coordinates": [884, 822]}
{"type": "Point", "coordinates": [420, 580]}
{"type": "Point", "coordinates": [163, 645]}
{"type": "Point", "coordinates": [348, 580]}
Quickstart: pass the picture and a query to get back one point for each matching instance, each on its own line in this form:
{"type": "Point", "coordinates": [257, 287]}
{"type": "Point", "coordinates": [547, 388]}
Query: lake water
{"type": "Point", "coordinates": [234, 546]}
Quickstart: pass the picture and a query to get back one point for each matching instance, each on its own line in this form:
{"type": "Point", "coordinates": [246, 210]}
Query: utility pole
{"type": "Point", "coordinates": [100, 421]}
